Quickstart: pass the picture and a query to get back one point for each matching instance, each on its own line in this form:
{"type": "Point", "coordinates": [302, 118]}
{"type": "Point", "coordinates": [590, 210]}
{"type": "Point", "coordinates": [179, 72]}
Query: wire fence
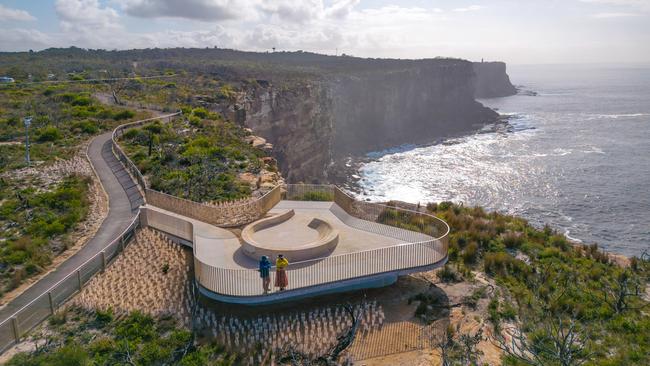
{"type": "Point", "coordinates": [26, 318]}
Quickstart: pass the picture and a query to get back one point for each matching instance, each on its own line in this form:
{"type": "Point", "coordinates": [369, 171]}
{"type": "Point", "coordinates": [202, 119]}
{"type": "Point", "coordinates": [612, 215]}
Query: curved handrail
{"type": "Point", "coordinates": [121, 155]}
{"type": "Point", "coordinates": [425, 251]}
{"type": "Point", "coordinates": [197, 210]}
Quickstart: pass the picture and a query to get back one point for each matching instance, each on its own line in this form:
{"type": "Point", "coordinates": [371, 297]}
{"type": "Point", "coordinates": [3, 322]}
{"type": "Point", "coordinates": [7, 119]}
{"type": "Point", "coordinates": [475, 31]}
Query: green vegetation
{"type": "Point", "coordinates": [63, 117]}
{"type": "Point", "coordinates": [197, 157]}
{"type": "Point", "coordinates": [552, 288]}
{"type": "Point", "coordinates": [36, 224]}
{"type": "Point", "coordinates": [77, 337]}
{"type": "Point", "coordinates": [315, 196]}
{"type": "Point", "coordinates": [410, 220]}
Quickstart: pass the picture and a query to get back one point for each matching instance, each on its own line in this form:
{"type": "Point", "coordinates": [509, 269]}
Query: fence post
{"type": "Point", "coordinates": [121, 243]}
{"type": "Point", "coordinates": [103, 261]}
{"type": "Point", "coordinates": [79, 279]}
{"type": "Point", "coordinates": [14, 322]}
{"type": "Point", "coordinates": [49, 297]}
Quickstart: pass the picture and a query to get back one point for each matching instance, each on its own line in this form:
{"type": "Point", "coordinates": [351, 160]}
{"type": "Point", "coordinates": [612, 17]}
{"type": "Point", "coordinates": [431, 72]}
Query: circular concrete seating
{"type": "Point", "coordinates": [289, 235]}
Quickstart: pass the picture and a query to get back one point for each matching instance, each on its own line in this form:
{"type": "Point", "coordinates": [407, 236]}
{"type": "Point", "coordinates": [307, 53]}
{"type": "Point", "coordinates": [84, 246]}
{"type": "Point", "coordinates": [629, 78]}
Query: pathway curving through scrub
{"type": "Point", "coordinates": [123, 202]}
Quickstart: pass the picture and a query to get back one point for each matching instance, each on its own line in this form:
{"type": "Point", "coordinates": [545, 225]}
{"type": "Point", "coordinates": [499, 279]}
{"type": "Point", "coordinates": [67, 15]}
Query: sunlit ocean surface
{"type": "Point", "coordinates": [576, 156]}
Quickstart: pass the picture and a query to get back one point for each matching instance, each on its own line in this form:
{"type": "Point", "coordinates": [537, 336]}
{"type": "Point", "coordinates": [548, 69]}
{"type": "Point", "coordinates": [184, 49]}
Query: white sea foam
{"type": "Point", "coordinates": [591, 117]}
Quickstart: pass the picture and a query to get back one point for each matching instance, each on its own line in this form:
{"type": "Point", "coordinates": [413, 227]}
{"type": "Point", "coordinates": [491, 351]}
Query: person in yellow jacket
{"type": "Point", "coordinates": [281, 279]}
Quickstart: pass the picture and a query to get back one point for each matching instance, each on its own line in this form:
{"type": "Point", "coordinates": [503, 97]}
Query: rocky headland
{"type": "Point", "coordinates": [318, 121]}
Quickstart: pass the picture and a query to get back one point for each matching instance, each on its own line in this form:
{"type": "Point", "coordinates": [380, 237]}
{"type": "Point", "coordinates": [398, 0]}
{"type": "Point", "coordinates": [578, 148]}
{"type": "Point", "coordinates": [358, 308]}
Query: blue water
{"type": "Point", "coordinates": [576, 156]}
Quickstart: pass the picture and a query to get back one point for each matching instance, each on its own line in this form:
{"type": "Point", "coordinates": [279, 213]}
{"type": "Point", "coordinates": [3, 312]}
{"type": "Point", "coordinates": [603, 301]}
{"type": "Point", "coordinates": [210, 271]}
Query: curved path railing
{"type": "Point", "coordinates": [223, 216]}
{"type": "Point", "coordinates": [424, 237]}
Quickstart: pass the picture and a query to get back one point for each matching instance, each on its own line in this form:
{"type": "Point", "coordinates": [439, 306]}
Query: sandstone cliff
{"type": "Point", "coordinates": [492, 81]}
{"type": "Point", "coordinates": [313, 122]}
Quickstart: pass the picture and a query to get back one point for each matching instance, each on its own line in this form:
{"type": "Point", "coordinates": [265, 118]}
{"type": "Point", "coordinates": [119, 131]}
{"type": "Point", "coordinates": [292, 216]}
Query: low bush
{"type": "Point", "coordinates": [448, 274]}
{"type": "Point", "coordinates": [49, 133]}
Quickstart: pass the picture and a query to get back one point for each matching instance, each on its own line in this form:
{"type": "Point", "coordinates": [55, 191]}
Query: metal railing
{"type": "Point", "coordinates": [123, 158]}
{"type": "Point", "coordinates": [228, 215]}
{"type": "Point", "coordinates": [424, 243]}
{"type": "Point", "coordinates": [46, 304]}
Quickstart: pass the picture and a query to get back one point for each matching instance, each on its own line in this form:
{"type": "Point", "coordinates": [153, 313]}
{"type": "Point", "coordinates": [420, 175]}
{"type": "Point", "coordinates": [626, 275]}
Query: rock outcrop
{"type": "Point", "coordinates": [492, 81]}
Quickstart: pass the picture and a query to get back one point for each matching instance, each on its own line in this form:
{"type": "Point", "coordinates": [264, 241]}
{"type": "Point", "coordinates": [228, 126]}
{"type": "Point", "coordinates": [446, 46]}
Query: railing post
{"type": "Point", "coordinates": [122, 243]}
{"type": "Point", "coordinates": [79, 279]}
{"type": "Point", "coordinates": [103, 254]}
{"type": "Point", "coordinates": [49, 297]}
{"type": "Point", "coordinates": [14, 323]}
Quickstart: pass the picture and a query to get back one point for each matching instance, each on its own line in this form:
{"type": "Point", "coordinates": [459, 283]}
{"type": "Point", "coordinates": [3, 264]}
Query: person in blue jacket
{"type": "Point", "coordinates": [265, 273]}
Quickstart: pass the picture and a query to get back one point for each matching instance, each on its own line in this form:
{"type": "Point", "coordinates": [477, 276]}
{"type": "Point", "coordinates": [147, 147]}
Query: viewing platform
{"type": "Point", "coordinates": [333, 242]}
{"type": "Point", "coordinates": [332, 245]}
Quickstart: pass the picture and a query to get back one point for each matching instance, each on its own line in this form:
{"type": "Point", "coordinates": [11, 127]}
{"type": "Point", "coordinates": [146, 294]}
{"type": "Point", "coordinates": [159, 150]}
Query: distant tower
{"type": "Point", "coordinates": [481, 59]}
{"type": "Point", "coordinates": [273, 49]}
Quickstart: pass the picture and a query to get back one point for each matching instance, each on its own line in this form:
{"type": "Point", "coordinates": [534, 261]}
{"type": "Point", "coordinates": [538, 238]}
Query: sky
{"type": "Point", "coordinates": [515, 31]}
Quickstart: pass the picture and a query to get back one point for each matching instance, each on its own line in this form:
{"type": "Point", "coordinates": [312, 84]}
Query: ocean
{"type": "Point", "coordinates": [576, 156]}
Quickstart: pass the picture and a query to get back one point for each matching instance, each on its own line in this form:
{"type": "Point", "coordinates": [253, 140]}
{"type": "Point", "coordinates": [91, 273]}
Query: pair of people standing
{"type": "Point", "coordinates": [281, 279]}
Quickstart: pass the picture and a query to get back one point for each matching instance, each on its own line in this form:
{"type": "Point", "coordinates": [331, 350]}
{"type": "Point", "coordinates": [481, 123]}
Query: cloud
{"type": "Point", "coordinates": [14, 14]}
{"type": "Point", "coordinates": [637, 4]}
{"type": "Point", "coordinates": [299, 12]}
{"type": "Point", "coordinates": [469, 8]}
{"type": "Point", "coordinates": [17, 39]}
{"type": "Point", "coordinates": [614, 15]}
{"type": "Point", "coordinates": [203, 10]}
{"type": "Point", "coordinates": [341, 9]}
{"type": "Point", "coordinates": [86, 16]}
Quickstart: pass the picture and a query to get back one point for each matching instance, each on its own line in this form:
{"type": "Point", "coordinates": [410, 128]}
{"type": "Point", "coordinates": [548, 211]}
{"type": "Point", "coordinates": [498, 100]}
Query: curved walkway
{"type": "Point", "coordinates": [121, 210]}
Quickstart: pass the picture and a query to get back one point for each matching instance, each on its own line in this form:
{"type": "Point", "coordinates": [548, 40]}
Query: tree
{"type": "Point", "coordinates": [154, 129]}
{"type": "Point", "coordinates": [460, 350]}
{"type": "Point", "coordinates": [559, 342]}
{"type": "Point", "coordinates": [618, 294]}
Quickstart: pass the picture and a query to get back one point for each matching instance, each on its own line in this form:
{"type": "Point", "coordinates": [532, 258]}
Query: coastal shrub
{"type": "Point", "coordinates": [560, 241]}
{"type": "Point", "coordinates": [470, 253]}
{"type": "Point", "coordinates": [85, 126]}
{"type": "Point", "coordinates": [49, 133]}
{"type": "Point", "coordinates": [316, 196]}
{"type": "Point", "coordinates": [493, 314]}
{"type": "Point", "coordinates": [122, 115]}
{"type": "Point", "coordinates": [104, 316]}
{"type": "Point", "coordinates": [200, 112]}
{"type": "Point", "coordinates": [502, 264]}
{"type": "Point", "coordinates": [41, 218]}
{"type": "Point", "coordinates": [80, 100]}
{"type": "Point", "coordinates": [140, 340]}
{"type": "Point", "coordinates": [448, 274]}
{"type": "Point", "coordinates": [512, 240]}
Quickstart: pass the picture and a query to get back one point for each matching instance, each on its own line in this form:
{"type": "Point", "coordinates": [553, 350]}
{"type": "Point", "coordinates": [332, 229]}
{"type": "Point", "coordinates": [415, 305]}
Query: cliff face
{"type": "Point", "coordinates": [317, 121]}
{"type": "Point", "coordinates": [298, 122]}
{"type": "Point", "coordinates": [492, 81]}
{"type": "Point", "coordinates": [416, 105]}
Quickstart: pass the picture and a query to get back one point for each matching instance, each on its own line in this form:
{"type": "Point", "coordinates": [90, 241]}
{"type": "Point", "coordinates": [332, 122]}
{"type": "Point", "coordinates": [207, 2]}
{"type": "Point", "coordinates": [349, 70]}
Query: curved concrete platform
{"type": "Point", "coordinates": [298, 237]}
{"type": "Point", "coordinates": [368, 254]}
